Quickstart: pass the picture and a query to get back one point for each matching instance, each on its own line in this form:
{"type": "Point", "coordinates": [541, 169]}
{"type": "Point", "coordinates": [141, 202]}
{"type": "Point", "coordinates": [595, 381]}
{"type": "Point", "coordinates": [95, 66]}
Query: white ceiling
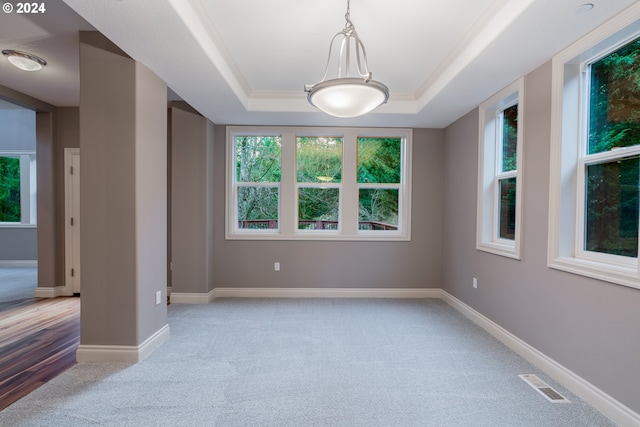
{"type": "Point", "coordinates": [247, 61]}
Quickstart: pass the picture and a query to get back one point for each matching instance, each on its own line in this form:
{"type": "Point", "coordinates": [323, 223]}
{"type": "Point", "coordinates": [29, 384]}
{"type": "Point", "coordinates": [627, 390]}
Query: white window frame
{"type": "Point", "coordinates": [28, 189]}
{"type": "Point", "coordinates": [490, 174]}
{"type": "Point", "coordinates": [349, 187]}
{"type": "Point", "coordinates": [568, 155]}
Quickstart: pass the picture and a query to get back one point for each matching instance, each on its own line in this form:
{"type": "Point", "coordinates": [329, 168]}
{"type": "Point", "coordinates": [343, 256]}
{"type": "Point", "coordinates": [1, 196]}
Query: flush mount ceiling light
{"type": "Point", "coordinates": [347, 96]}
{"type": "Point", "coordinates": [23, 60]}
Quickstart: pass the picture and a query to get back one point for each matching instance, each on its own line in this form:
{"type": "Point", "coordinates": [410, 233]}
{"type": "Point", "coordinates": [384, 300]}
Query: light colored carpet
{"type": "Point", "coordinates": [308, 362]}
{"type": "Point", "coordinates": [17, 283]}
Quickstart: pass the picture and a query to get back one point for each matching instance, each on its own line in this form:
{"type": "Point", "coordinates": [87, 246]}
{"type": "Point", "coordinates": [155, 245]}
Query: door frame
{"type": "Point", "coordinates": [69, 154]}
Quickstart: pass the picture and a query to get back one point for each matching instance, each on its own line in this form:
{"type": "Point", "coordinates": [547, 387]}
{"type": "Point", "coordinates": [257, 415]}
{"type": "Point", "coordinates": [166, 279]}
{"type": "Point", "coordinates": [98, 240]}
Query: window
{"type": "Point", "coordinates": [499, 166]}
{"type": "Point", "coordinates": [595, 181]}
{"type": "Point", "coordinates": [318, 184]}
{"type": "Point", "coordinates": [257, 183]}
{"type": "Point", "coordinates": [379, 167]}
{"type": "Point", "coordinates": [17, 189]}
{"type": "Point", "coordinates": [319, 179]}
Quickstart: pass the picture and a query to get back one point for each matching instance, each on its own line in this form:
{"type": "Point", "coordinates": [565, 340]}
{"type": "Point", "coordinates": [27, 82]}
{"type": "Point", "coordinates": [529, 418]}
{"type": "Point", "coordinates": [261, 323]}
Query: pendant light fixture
{"type": "Point", "coordinates": [347, 96]}
{"type": "Point", "coordinates": [23, 60]}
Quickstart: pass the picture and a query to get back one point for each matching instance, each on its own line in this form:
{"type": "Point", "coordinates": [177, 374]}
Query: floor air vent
{"type": "Point", "coordinates": [543, 388]}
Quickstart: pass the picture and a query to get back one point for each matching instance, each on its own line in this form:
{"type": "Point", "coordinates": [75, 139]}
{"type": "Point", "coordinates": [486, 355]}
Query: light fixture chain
{"type": "Point", "coordinates": [348, 27]}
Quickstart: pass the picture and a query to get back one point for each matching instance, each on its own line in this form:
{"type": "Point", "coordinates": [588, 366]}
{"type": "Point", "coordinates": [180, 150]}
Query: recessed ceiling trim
{"type": "Point", "coordinates": [472, 47]}
{"type": "Point", "coordinates": [283, 102]}
{"type": "Point", "coordinates": [193, 13]}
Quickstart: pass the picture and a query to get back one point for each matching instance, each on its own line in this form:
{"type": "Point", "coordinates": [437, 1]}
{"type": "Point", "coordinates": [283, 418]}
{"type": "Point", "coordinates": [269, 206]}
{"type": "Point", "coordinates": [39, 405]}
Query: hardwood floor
{"type": "Point", "coordinates": [38, 340]}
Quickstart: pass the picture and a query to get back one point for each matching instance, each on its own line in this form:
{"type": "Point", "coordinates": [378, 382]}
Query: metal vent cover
{"type": "Point", "coordinates": [544, 389]}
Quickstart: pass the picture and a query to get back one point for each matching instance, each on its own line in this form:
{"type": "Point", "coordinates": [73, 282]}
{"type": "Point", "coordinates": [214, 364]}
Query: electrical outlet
{"type": "Point", "coordinates": [158, 297]}
{"type": "Point", "coordinates": [475, 283]}
{"type": "Point", "coordinates": [276, 266]}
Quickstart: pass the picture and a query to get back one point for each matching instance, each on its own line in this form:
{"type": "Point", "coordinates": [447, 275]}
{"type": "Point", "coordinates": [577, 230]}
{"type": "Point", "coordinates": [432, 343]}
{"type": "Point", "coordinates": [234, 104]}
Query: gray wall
{"type": "Point", "coordinates": [18, 132]}
{"type": "Point", "coordinates": [123, 138]}
{"type": "Point", "coordinates": [588, 326]}
{"type": "Point", "coordinates": [318, 264]}
{"type": "Point", "coordinates": [191, 200]}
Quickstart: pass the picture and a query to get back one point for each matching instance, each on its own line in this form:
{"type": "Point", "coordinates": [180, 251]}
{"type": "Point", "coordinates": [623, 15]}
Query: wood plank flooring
{"type": "Point", "coordinates": [38, 340]}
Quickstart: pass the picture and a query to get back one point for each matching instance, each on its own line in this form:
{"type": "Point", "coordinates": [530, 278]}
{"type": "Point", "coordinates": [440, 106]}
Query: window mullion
{"type": "Point", "coordinates": [349, 198]}
{"type": "Point", "coordinates": [288, 191]}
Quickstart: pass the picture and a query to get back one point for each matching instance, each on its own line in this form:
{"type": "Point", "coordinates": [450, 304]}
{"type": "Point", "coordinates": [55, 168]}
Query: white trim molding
{"type": "Point", "coordinates": [591, 394]}
{"type": "Point", "coordinates": [566, 179]}
{"type": "Point", "coordinates": [205, 298]}
{"type": "Point", "coordinates": [122, 353]}
{"type": "Point", "coordinates": [192, 298]}
{"type": "Point", "coordinates": [49, 292]}
{"type": "Point", "coordinates": [490, 171]}
{"type": "Point", "coordinates": [326, 293]}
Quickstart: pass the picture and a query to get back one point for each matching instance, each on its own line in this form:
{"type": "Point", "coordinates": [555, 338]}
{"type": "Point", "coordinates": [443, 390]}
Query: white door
{"type": "Point", "coordinates": [72, 217]}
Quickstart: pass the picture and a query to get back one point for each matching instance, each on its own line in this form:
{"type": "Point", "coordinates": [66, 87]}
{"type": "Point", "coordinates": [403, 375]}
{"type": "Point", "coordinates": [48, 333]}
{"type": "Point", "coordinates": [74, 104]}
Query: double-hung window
{"type": "Point", "coordinates": [318, 183]}
{"type": "Point", "coordinates": [17, 189]}
{"type": "Point", "coordinates": [257, 166]}
{"type": "Point", "coordinates": [499, 172]}
{"type": "Point", "coordinates": [379, 183]}
{"type": "Point", "coordinates": [595, 181]}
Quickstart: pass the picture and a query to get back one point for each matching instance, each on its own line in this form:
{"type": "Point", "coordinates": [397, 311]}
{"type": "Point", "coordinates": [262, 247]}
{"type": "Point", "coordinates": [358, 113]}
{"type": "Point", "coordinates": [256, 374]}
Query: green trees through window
{"type": "Point", "coordinates": [376, 163]}
{"type": "Point", "coordinates": [379, 171]}
{"type": "Point", "coordinates": [9, 189]}
{"type": "Point", "coordinates": [612, 181]}
{"type": "Point", "coordinates": [258, 170]}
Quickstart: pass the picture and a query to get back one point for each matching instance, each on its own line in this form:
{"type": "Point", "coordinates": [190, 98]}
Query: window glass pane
{"type": "Point", "coordinates": [510, 139]}
{"type": "Point", "coordinates": [612, 207]}
{"type": "Point", "coordinates": [319, 159]}
{"type": "Point", "coordinates": [614, 103]}
{"type": "Point", "coordinates": [258, 158]}
{"type": "Point", "coordinates": [379, 160]}
{"type": "Point", "coordinates": [507, 209]}
{"type": "Point", "coordinates": [378, 209]}
{"type": "Point", "coordinates": [9, 189]}
{"type": "Point", "coordinates": [318, 208]}
{"type": "Point", "coordinates": [258, 207]}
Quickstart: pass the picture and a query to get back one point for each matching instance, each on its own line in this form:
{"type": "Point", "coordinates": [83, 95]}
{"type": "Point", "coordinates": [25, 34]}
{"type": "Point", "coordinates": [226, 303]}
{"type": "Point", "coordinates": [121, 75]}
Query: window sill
{"type": "Point", "coordinates": [382, 237]}
{"type": "Point", "coordinates": [504, 250]}
{"type": "Point", "coordinates": [626, 276]}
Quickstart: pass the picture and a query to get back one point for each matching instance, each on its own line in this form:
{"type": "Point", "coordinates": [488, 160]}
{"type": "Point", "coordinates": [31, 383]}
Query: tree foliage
{"type": "Point", "coordinates": [9, 189]}
{"type": "Point", "coordinates": [614, 122]}
{"type": "Point", "coordinates": [319, 169]}
{"type": "Point", "coordinates": [258, 161]}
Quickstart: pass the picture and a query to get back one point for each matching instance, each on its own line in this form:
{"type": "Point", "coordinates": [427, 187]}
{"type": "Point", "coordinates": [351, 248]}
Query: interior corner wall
{"type": "Point", "coordinates": [586, 325]}
{"type": "Point", "coordinates": [341, 264]}
{"type": "Point", "coordinates": [191, 201]}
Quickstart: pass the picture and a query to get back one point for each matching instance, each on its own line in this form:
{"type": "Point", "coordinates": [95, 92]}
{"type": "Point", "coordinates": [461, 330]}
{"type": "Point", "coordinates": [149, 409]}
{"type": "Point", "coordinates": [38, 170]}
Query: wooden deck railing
{"type": "Point", "coordinates": [270, 224]}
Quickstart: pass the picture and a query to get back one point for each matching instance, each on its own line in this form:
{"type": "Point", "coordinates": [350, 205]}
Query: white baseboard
{"type": "Point", "coordinates": [51, 292]}
{"type": "Point", "coordinates": [205, 298]}
{"type": "Point", "coordinates": [325, 293]}
{"type": "Point", "coordinates": [191, 298]}
{"type": "Point", "coordinates": [122, 353]}
{"type": "Point", "coordinates": [607, 405]}
{"type": "Point", "coordinates": [19, 263]}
